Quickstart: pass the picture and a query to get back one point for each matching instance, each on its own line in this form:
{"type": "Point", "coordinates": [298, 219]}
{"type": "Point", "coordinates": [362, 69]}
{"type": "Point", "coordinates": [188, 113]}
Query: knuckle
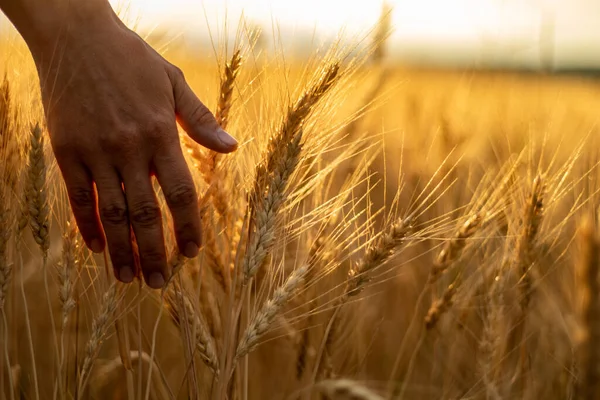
{"type": "Point", "coordinates": [159, 126]}
{"type": "Point", "coordinates": [120, 253]}
{"type": "Point", "coordinates": [202, 115]}
{"type": "Point", "coordinates": [177, 72]}
{"type": "Point", "coordinates": [82, 198]}
{"type": "Point", "coordinates": [115, 214]}
{"type": "Point", "coordinates": [181, 195]}
{"type": "Point", "coordinates": [153, 258]}
{"type": "Point", "coordinates": [145, 214]}
{"type": "Point", "coordinates": [121, 141]}
{"type": "Point", "coordinates": [188, 231]}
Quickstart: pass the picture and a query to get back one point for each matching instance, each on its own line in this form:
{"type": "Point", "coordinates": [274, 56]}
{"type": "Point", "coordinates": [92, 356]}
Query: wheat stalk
{"type": "Point", "coordinates": [5, 100]}
{"type": "Point", "coordinates": [206, 163]}
{"type": "Point", "coordinates": [211, 251]}
{"type": "Point", "coordinates": [6, 267]}
{"type": "Point", "coordinates": [67, 266]}
{"type": "Point", "coordinates": [261, 323]}
{"type": "Point", "coordinates": [387, 244]}
{"type": "Point", "coordinates": [176, 262]}
{"type": "Point", "coordinates": [36, 194]}
{"type": "Point", "coordinates": [376, 255]}
{"type": "Point", "coordinates": [99, 330]}
{"type": "Point", "coordinates": [230, 74]}
{"type": "Point", "coordinates": [298, 114]}
{"type": "Point", "coordinates": [66, 283]}
{"type": "Point", "coordinates": [490, 349]}
{"type": "Point", "coordinates": [304, 345]}
{"type": "Point", "coordinates": [532, 218]}
{"type": "Point", "coordinates": [267, 210]}
{"type": "Point", "coordinates": [10, 148]}
{"type": "Point", "coordinates": [588, 290]}
{"type": "Point", "coordinates": [453, 248]}
{"type": "Point", "coordinates": [440, 306]}
{"type": "Point", "coordinates": [185, 313]}
{"type": "Point", "coordinates": [346, 389]}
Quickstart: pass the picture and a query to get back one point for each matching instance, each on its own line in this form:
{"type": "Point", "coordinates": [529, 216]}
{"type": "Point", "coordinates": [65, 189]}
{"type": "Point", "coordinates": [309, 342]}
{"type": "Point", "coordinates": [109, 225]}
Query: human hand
{"type": "Point", "coordinates": [111, 104]}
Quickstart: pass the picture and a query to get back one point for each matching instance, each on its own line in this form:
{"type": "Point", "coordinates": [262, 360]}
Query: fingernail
{"type": "Point", "coordinates": [156, 280]}
{"type": "Point", "coordinates": [191, 250]}
{"type": "Point", "coordinates": [96, 246]}
{"type": "Point", "coordinates": [226, 138]}
{"type": "Point", "coordinates": [126, 274]}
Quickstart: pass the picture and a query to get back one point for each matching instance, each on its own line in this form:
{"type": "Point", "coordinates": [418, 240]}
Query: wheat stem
{"type": "Point", "coordinates": [588, 289]}
{"type": "Point", "coordinates": [261, 323]}
{"type": "Point", "coordinates": [99, 331]}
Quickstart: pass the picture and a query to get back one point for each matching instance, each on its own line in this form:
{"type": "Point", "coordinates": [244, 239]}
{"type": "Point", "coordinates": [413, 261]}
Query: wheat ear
{"type": "Point", "coordinates": [67, 266]}
{"type": "Point", "coordinates": [298, 114]}
{"type": "Point", "coordinates": [453, 248]}
{"type": "Point", "coordinates": [212, 252]}
{"type": "Point", "coordinates": [36, 193]}
{"type": "Point", "coordinates": [99, 331]}
{"type": "Point", "coordinates": [441, 305]}
{"type": "Point", "coordinates": [389, 242]}
{"type": "Point", "coordinates": [346, 389]}
{"type": "Point", "coordinates": [206, 163]}
{"type": "Point", "coordinates": [534, 211]}
{"type": "Point", "coordinates": [273, 173]}
{"type": "Point", "coordinates": [261, 323]}
{"type": "Point", "coordinates": [10, 149]}
{"type": "Point", "coordinates": [261, 241]}
{"type": "Point", "coordinates": [376, 255]}
{"type": "Point", "coordinates": [230, 74]}
{"type": "Point", "coordinates": [66, 283]}
{"type": "Point", "coordinates": [183, 312]}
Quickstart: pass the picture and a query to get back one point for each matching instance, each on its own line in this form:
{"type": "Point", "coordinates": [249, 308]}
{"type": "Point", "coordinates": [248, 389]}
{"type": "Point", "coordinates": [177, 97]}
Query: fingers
{"type": "Point", "coordinates": [178, 187]}
{"type": "Point", "coordinates": [115, 221]}
{"type": "Point", "coordinates": [145, 218]}
{"type": "Point", "coordinates": [82, 197]}
{"type": "Point", "coordinates": [196, 119]}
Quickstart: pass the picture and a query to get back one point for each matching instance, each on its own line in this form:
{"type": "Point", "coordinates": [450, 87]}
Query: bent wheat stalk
{"type": "Point", "coordinates": [183, 312]}
{"type": "Point", "coordinates": [453, 248]}
{"type": "Point", "coordinates": [261, 323]}
{"type": "Point", "coordinates": [376, 255]}
{"type": "Point", "coordinates": [273, 173]}
{"type": "Point", "coordinates": [588, 309]}
{"type": "Point", "coordinates": [99, 331]}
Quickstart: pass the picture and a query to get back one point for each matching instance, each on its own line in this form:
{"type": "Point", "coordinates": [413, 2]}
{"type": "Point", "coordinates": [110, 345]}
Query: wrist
{"type": "Point", "coordinates": [58, 23]}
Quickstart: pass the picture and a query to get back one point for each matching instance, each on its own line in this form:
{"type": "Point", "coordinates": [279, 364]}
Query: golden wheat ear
{"type": "Point", "coordinates": [261, 323]}
{"type": "Point", "coordinates": [189, 319]}
{"type": "Point", "coordinates": [100, 326]}
{"type": "Point", "coordinates": [37, 193]}
{"type": "Point", "coordinates": [273, 173]}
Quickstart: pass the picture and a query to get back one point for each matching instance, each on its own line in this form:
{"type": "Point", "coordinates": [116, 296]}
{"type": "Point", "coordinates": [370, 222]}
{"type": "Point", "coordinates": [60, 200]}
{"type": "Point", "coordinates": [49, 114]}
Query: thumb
{"type": "Point", "coordinates": [196, 119]}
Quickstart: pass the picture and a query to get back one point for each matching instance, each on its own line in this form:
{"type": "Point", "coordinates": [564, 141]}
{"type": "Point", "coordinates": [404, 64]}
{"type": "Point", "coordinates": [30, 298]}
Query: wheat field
{"type": "Point", "coordinates": [383, 232]}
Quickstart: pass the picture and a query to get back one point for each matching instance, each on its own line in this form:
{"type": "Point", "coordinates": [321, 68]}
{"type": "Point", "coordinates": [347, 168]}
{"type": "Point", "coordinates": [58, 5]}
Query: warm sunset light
{"type": "Point", "coordinates": [504, 29]}
{"type": "Point", "coordinates": [300, 199]}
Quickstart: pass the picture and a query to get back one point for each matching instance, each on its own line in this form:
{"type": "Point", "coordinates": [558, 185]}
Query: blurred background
{"type": "Point", "coordinates": [533, 34]}
{"type": "Point", "coordinates": [551, 35]}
